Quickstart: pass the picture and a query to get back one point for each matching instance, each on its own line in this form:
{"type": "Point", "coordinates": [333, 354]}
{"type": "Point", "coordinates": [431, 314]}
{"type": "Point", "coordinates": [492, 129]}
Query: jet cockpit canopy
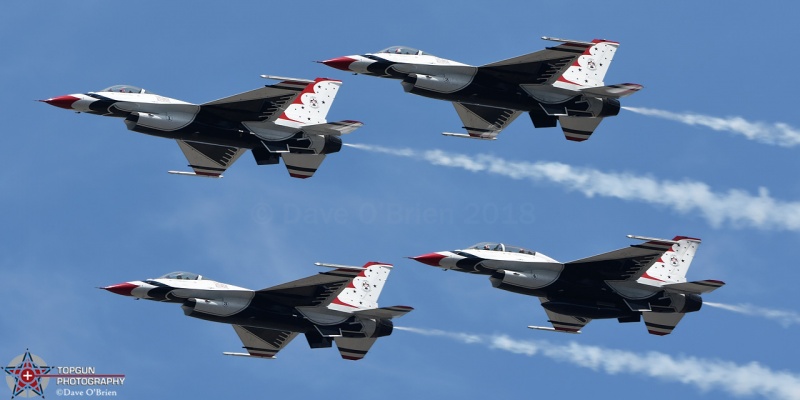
{"type": "Point", "coordinates": [123, 89]}
{"type": "Point", "coordinates": [501, 247]}
{"type": "Point", "coordinates": [404, 50]}
{"type": "Point", "coordinates": [190, 276]}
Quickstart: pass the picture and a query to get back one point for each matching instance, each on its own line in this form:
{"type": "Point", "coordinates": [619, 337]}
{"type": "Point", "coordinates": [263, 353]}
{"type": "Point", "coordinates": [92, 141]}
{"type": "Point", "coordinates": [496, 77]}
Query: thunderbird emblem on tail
{"type": "Point", "coordinates": [644, 281]}
{"type": "Point", "coordinates": [286, 120]}
{"type": "Point", "coordinates": [336, 306]}
{"type": "Point", "coordinates": [561, 84]}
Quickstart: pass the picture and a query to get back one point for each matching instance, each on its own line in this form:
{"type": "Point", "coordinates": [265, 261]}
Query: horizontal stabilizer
{"type": "Point", "coordinates": [227, 353]}
{"type": "Point", "coordinates": [549, 329]}
{"type": "Point", "coordinates": [354, 348]}
{"type": "Point", "coordinates": [696, 287]}
{"type": "Point", "coordinates": [614, 91]}
{"type": "Point", "coordinates": [302, 166]}
{"type": "Point", "coordinates": [578, 129]}
{"type": "Point", "coordinates": [333, 128]}
{"type": "Point", "coordinates": [384, 312]}
{"type": "Point", "coordinates": [193, 174]}
{"type": "Point", "coordinates": [661, 324]}
{"type": "Point", "coordinates": [465, 136]}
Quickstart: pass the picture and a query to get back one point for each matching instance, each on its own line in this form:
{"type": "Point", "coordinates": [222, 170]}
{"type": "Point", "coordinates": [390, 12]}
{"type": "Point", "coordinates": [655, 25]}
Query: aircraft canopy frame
{"type": "Point", "coordinates": [493, 246]}
{"type": "Point", "coordinates": [123, 89]}
{"type": "Point", "coordinates": [183, 275]}
{"type": "Point", "coordinates": [404, 50]}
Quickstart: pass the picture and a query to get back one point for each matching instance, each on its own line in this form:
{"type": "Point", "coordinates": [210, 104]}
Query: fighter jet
{"type": "Point", "coordinates": [286, 120]}
{"type": "Point", "coordinates": [646, 280]}
{"type": "Point", "coordinates": [336, 306]}
{"type": "Point", "coordinates": [562, 84]}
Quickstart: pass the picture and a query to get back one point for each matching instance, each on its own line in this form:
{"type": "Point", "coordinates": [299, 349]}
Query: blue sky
{"type": "Point", "coordinates": [88, 203]}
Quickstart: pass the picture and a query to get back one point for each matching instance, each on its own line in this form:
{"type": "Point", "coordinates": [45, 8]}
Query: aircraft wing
{"type": "Point", "coordinates": [260, 342]}
{"type": "Point", "coordinates": [541, 67]}
{"type": "Point", "coordinates": [261, 104]}
{"type": "Point", "coordinates": [628, 263]}
{"type": "Point", "coordinates": [354, 348]}
{"type": "Point", "coordinates": [316, 290]}
{"type": "Point", "coordinates": [302, 165]}
{"type": "Point", "coordinates": [483, 122]}
{"type": "Point", "coordinates": [563, 322]}
{"type": "Point", "coordinates": [208, 160]}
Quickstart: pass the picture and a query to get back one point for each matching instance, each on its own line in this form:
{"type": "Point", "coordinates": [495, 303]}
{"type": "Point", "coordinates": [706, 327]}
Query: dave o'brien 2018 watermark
{"type": "Point", "coordinates": [397, 214]}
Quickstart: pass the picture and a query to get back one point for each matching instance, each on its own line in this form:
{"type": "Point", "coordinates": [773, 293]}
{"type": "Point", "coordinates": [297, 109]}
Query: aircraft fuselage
{"type": "Point", "coordinates": [424, 76]}
{"type": "Point", "coordinates": [223, 303]}
{"type": "Point", "coordinates": [566, 290]}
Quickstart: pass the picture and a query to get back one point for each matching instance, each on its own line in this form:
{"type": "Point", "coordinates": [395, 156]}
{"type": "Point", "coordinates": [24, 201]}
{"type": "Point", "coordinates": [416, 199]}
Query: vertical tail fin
{"type": "Point", "coordinates": [311, 106]}
{"type": "Point", "coordinates": [363, 290]}
{"type": "Point", "coordinates": [674, 263]}
{"type": "Point", "coordinates": [590, 68]}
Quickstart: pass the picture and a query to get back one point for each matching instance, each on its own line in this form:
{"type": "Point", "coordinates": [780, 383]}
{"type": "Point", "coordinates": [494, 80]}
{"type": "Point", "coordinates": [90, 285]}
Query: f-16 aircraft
{"type": "Point", "coordinates": [644, 281]}
{"type": "Point", "coordinates": [286, 120]}
{"type": "Point", "coordinates": [561, 84]}
{"type": "Point", "coordinates": [336, 306]}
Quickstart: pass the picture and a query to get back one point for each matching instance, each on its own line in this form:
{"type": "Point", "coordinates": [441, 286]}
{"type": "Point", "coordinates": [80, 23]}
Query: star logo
{"type": "Point", "coordinates": [24, 375]}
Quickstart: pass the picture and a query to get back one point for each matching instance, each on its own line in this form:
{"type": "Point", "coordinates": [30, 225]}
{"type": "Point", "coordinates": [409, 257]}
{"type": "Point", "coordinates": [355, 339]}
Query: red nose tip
{"type": "Point", "coordinates": [61, 101]}
{"type": "Point", "coordinates": [124, 289]}
{"type": "Point", "coordinates": [431, 259]}
{"type": "Point", "coordinates": [342, 63]}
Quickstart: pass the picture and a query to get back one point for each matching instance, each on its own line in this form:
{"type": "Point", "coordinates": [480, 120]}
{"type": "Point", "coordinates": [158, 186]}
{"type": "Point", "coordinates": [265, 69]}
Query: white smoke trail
{"type": "Point", "coordinates": [739, 380]}
{"type": "Point", "coordinates": [779, 133]}
{"type": "Point", "coordinates": [736, 207]}
{"type": "Point", "coordinates": [784, 317]}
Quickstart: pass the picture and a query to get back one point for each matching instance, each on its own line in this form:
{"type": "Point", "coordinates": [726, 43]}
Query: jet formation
{"type": "Point", "coordinates": [644, 281]}
{"type": "Point", "coordinates": [282, 121]}
{"type": "Point", "coordinates": [338, 306]}
{"type": "Point", "coordinates": [559, 85]}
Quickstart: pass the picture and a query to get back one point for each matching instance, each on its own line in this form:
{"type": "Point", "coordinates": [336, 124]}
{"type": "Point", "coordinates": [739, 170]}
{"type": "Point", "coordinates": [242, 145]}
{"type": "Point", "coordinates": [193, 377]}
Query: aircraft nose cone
{"type": "Point", "coordinates": [342, 63]}
{"type": "Point", "coordinates": [431, 259]}
{"type": "Point", "coordinates": [123, 289]}
{"type": "Point", "coordinates": [61, 101]}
